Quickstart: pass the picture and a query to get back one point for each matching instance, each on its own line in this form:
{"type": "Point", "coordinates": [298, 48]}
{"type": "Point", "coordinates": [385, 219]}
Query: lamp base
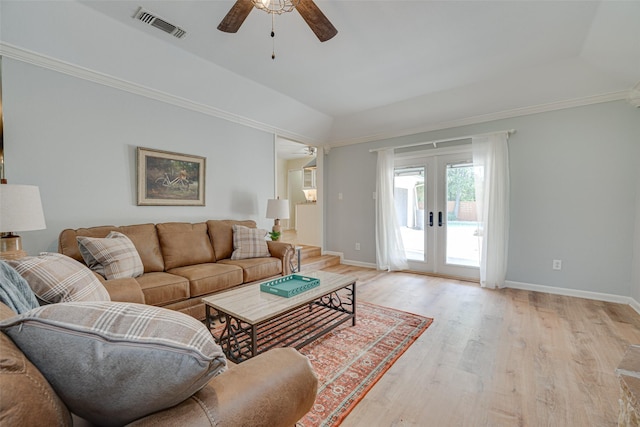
{"type": "Point", "coordinates": [11, 247]}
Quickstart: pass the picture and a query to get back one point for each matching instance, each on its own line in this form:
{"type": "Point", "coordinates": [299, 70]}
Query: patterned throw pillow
{"type": "Point", "coordinates": [113, 257]}
{"type": "Point", "coordinates": [57, 278]}
{"type": "Point", "coordinates": [249, 243]}
{"type": "Point", "coordinates": [112, 362]}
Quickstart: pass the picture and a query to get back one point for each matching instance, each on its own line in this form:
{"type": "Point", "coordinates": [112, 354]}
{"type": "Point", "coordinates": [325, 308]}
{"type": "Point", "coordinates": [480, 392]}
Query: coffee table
{"type": "Point", "coordinates": [256, 321]}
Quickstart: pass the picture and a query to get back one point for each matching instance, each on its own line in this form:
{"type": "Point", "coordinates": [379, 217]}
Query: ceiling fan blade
{"type": "Point", "coordinates": [316, 20]}
{"type": "Point", "coordinates": [236, 16]}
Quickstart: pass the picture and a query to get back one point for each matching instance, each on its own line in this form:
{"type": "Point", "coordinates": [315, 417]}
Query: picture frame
{"type": "Point", "coordinates": [166, 178]}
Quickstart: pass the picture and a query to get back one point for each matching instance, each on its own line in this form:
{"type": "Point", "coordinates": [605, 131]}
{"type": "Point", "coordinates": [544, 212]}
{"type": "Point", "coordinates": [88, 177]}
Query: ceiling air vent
{"type": "Point", "coordinates": [153, 20]}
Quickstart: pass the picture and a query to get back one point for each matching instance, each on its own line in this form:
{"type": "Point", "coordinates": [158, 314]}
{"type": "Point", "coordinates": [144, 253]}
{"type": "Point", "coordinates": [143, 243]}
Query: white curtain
{"type": "Point", "coordinates": [491, 164]}
{"type": "Point", "coordinates": [389, 248]}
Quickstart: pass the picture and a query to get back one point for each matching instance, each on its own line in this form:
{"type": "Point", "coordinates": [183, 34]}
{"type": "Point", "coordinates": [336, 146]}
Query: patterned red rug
{"type": "Point", "coordinates": [351, 359]}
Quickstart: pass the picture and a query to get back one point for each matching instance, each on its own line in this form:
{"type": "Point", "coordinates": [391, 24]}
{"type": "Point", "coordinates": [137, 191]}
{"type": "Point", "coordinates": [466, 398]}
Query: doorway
{"type": "Point", "coordinates": [436, 209]}
{"type": "Point", "coordinates": [295, 195]}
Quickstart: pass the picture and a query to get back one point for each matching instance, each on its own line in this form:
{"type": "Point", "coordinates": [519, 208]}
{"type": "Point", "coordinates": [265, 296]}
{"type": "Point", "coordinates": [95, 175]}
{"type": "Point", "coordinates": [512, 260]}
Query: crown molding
{"type": "Point", "coordinates": [24, 55]}
{"type": "Point", "coordinates": [634, 96]}
{"type": "Point", "coordinates": [516, 112]}
{"type": "Point", "coordinates": [50, 63]}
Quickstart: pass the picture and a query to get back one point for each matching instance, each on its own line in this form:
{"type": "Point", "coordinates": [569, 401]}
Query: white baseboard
{"type": "Point", "coordinates": [350, 262]}
{"type": "Point", "coordinates": [340, 254]}
{"type": "Point", "coordinates": [359, 264]}
{"type": "Point", "coordinates": [599, 296]}
{"type": "Point", "coordinates": [635, 305]}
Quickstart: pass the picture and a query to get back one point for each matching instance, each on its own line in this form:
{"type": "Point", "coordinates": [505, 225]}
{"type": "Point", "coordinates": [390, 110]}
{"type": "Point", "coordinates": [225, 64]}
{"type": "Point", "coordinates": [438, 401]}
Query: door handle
{"type": "Point", "coordinates": [430, 219]}
{"type": "Point", "coordinates": [440, 219]}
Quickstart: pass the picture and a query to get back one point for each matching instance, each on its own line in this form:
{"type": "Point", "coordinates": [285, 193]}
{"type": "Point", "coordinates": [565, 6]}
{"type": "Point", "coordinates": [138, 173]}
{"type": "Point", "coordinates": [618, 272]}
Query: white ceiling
{"type": "Point", "coordinates": [396, 65]}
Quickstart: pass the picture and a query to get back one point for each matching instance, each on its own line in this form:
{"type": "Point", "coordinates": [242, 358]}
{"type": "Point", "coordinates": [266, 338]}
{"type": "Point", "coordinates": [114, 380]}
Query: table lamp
{"type": "Point", "coordinates": [277, 209]}
{"type": "Point", "coordinates": [20, 210]}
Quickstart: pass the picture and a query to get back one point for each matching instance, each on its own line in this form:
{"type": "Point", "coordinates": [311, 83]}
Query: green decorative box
{"type": "Point", "coordinates": [290, 285]}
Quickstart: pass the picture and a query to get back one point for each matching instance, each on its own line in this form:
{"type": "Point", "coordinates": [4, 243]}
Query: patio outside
{"type": "Point", "coordinates": [463, 234]}
{"type": "Point", "coordinates": [464, 241]}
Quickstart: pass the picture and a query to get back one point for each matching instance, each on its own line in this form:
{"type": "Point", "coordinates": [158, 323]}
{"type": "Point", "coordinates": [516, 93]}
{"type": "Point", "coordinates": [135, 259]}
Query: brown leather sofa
{"type": "Point", "coordinates": [274, 389]}
{"type": "Point", "coordinates": [183, 262]}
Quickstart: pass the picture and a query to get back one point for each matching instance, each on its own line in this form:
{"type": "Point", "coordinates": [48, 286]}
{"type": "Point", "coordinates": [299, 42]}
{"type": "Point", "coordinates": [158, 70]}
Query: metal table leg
{"type": "Point", "coordinates": [296, 268]}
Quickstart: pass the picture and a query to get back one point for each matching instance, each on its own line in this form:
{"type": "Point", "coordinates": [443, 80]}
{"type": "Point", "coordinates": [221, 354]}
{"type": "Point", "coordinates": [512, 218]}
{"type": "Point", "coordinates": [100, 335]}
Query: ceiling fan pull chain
{"type": "Point", "coordinates": [273, 36]}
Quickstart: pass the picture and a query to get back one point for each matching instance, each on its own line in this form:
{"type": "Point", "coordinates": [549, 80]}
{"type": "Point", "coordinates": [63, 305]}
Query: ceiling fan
{"type": "Point", "coordinates": [313, 16]}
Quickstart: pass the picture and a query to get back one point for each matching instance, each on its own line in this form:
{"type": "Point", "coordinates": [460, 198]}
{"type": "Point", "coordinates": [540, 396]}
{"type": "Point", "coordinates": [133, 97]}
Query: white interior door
{"type": "Point", "coordinates": [435, 202]}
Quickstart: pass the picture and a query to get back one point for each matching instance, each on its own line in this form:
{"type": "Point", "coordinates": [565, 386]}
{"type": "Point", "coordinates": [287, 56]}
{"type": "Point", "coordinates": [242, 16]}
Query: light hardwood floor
{"type": "Point", "coordinates": [496, 357]}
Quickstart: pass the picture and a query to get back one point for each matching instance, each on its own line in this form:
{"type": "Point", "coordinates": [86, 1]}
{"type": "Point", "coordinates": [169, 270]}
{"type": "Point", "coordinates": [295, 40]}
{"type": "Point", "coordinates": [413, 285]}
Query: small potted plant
{"type": "Point", "coordinates": [275, 235]}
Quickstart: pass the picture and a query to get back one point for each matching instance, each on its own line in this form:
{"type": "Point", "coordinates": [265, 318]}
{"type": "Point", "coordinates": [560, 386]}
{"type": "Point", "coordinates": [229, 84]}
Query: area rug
{"type": "Point", "coordinates": [351, 359]}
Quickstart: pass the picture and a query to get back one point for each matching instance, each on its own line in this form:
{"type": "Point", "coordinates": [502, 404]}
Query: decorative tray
{"type": "Point", "coordinates": [290, 285]}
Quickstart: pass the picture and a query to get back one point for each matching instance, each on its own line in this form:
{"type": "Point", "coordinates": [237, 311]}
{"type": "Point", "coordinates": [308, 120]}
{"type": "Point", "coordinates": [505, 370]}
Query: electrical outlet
{"type": "Point", "coordinates": [557, 264]}
{"type": "Point", "coordinates": [339, 196]}
{"type": "Point", "coordinates": [357, 246]}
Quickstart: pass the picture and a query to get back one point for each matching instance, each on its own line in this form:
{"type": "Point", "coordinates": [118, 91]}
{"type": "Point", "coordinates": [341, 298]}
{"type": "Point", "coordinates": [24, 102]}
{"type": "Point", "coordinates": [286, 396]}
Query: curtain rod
{"type": "Point", "coordinates": [440, 141]}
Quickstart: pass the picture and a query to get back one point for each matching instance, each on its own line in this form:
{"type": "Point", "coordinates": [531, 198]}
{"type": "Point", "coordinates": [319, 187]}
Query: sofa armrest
{"type": "Point", "coordinates": [123, 290]}
{"type": "Point", "coordinates": [273, 389]}
{"type": "Point", "coordinates": [284, 251]}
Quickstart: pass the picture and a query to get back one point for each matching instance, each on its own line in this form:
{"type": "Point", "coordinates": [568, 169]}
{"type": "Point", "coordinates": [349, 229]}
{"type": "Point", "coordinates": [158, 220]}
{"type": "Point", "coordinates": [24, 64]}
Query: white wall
{"type": "Point", "coordinates": [574, 179]}
{"type": "Point", "coordinates": [71, 36]}
{"type": "Point", "coordinates": [574, 171]}
{"type": "Point", "coordinates": [77, 141]}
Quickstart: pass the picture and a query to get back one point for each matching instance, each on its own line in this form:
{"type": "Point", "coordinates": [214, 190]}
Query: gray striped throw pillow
{"type": "Point", "coordinates": [249, 243]}
{"type": "Point", "coordinates": [113, 257]}
{"type": "Point", "coordinates": [54, 278]}
{"type": "Point", "coordinates": [113, 362]}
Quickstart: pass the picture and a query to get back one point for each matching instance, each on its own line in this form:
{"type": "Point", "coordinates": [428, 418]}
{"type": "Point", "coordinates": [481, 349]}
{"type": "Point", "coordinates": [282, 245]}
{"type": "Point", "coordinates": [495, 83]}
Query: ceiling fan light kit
{"type": "Point", "coordinates": [312, 15]}
{"type": "Point", "coordinates": [276, 6]}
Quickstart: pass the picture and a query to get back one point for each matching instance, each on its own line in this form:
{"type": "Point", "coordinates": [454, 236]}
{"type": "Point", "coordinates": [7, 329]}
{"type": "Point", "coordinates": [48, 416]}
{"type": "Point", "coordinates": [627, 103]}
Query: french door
{"type": "Point", "coordinates": [436, 209]}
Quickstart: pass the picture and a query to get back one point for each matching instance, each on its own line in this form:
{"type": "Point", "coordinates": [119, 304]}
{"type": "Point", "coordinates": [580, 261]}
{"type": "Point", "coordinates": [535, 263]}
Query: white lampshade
{"type": "Point", "coordinates": [20, 208]}
{"type": "Point", "coordinates": [278, 208]}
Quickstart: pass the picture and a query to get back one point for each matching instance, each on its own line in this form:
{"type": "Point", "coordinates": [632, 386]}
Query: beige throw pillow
{"type": "Point", "coordinates": [249, 243]}
{"type": "Point", "coordinates": [58, 278]}
{"type": "Point", "coordinates": [113, 362]}
{"type": "Point", "coordinates": [113, 257]}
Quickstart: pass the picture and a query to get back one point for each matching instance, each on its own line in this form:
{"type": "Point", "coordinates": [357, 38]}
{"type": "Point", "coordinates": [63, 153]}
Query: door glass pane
{"type": "Point", "coordinates": [462, 226]}
{"type": "Point", "coordinates": [409, 195]}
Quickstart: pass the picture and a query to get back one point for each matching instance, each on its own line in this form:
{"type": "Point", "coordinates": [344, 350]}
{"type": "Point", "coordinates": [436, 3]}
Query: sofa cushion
{"type": "Point", "coordinates": [143, 236]}
{"type": "Point", "coordinates": [68, 243]}
{"type": "Point", "coordinates": [111, 362]}
{"type": "Point", "coordinates": [184, 244]}
{"type": "Point", "coordinates": [57, 278]}
{"type": "Point", "coordinates": [126, 289]}
{"type": "Point", "coordinates": [256, 268]}
{"type": "Point", "coordinates": [249, 243]}
{"type": "Point", "coordinates": [221, 235]}
{"type": "Point", "coordinates": [26, 397]}
{"type": "Point", "coordinates": [145, 239]}
{"type": "Point", "coordinates": [211, 277]}
{"type": "Point", "coordinates": [163, 288]}
{"type": "Point", "coordinates": [113, 257]}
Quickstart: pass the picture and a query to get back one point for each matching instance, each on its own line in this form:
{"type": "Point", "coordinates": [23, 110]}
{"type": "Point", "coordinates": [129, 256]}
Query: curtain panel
{"type": "Point", "coordinates": [390, 253]}
{"type": "Point", "coordinates": [491, 165]}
